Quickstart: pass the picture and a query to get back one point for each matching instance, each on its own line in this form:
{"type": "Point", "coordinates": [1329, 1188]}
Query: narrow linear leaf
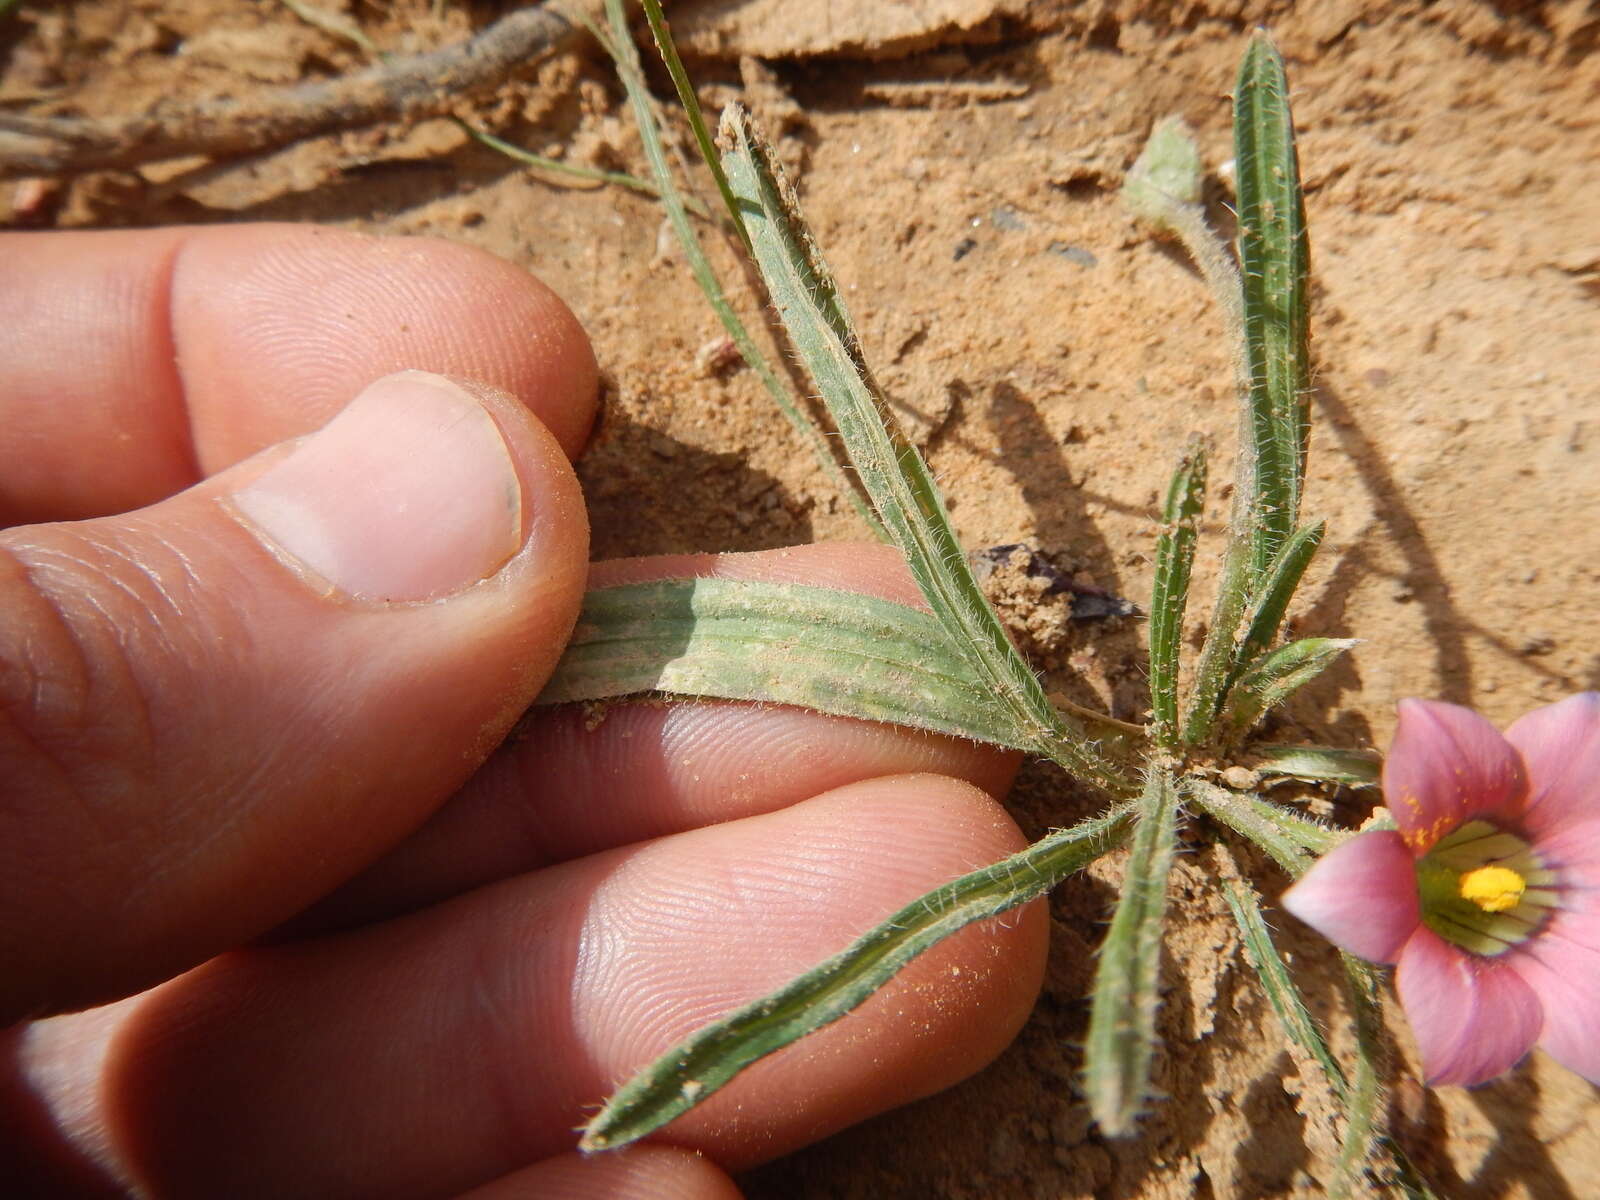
{"type": "Point", "coordinates": [1363, 1107]}
{"type": "Point", "coordinates": [1170, 592]}
{"type": "Point", "coordinates": [626, 56]}
{"type": "Point", "coordinates": [1360, 1092]}
{"type": "Point", "coordinates": [1307, 832]}
{"type": "Point", "coordinates": [889, 466]}
{"type": "Point", "coordinates": [1367, 1131]}
{"type": "Point", "coordinates": [1219, 654]}
{"type": "Point", "coordinates": [1279, 985]}
{"type": "Point", "coordinates": [832, 651]}
{"type": "Point", "coordinates": [620, 178]}
{"type": "Point", "coordinates": [1276, 589]}
{"type": "Point", "coordinates": [692, 1071]}
{"type": "Point", "coordinates": [1274, 273]}
{"type": "Point", "coordinates": [1288, 1004]}
{"type": "Point", "coordinates": [1360, 1096]}
{"type": "Point", "coordinates": [691, 107]}
{"type": "Point", "coordinates": [1122, 1019]}
{"type": "Point", "coordinates": [1274, 258]}
{"type": "Point", "coordinates": [1320, 764]}
{"type": "Point", "coordinates": [1279, 675]}
{"type": "Point", "coordinates": [1292, 841]}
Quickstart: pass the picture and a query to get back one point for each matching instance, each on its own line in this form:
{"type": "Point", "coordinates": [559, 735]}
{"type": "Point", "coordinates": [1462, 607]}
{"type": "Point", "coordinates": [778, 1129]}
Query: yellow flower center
{"type": "Point", "coordinates": [1493, 889]}
{"type": "Point", "coordinates": [1484, 889]}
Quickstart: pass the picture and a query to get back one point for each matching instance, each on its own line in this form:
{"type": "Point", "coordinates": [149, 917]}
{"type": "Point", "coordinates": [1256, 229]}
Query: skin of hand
{"type": "Point", "coordinates": [291, 540]}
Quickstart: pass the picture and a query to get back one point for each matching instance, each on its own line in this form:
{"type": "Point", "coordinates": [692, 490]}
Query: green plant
{"type": "Point", "coordinates": [956, 671]}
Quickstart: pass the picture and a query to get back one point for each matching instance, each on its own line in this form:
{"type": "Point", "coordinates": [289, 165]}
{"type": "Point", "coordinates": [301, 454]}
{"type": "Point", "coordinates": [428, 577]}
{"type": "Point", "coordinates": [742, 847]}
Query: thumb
{"type": "Point", "coordinates": [215, 709]}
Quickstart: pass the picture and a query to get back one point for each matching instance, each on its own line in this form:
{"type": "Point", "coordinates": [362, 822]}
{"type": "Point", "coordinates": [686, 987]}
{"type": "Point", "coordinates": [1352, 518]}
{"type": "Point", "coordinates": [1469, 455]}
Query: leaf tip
{"type": "Point", "coordinates": [729, 125]}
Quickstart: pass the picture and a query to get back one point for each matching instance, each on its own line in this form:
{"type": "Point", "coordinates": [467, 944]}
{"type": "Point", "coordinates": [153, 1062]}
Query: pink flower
{"type": "Point", "coordinates": [1488, 895]}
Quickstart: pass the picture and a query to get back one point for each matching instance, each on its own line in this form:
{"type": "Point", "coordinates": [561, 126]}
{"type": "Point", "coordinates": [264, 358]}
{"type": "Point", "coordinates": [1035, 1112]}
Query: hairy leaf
{"type": "Point", "coordinates": [833, 651]}
{"type": "Point", "coordinates": [1279, 675]}
{"type": "Point", "coordinates": [693, 1070]}
{"type": "Point", "coordinates": [893, 472]}
{"type": "Point", "coordinates": [1122, 1019]}
{"type": "Point", "coordinates": [1170, 593]}
{"type": "Point", "coordinates": [1275, 263]}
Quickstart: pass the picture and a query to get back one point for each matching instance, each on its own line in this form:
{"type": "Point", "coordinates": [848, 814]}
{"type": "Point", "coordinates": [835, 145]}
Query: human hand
{"type": "Point", "coordinates": [253, 805]}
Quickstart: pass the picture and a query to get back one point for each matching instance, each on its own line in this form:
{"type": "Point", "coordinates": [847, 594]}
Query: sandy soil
{"type": "Point", "coordinates": [960, 159]}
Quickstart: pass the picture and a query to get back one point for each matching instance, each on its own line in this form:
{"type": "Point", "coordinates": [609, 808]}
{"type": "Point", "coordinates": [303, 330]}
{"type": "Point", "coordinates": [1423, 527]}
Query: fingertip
{"type": "Point", "coordinates": [637, 1173]}
{"type": "Point", "coordinates": [243, 328]}
{"type": "Point", "coordinates": [799, 886]}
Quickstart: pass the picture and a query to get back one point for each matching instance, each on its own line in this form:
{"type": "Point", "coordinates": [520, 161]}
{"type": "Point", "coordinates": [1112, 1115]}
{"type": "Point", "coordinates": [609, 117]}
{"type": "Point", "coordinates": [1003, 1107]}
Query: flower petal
{"type": "Point", "coordinates": [1445, 766]}
{"type": "Point", "coordinates": [1560, 745]}
{"type": "Point", "coordinates": [1568, 929]}
{"type": "Point", "coordinates": [1473, 1017]}
{"type": "Point", "coordinates": [1572, 851]}
{"type": "Point", "coordinates": [1361, 896]}
{"type": "Point", "coordinates": [1566, 977]}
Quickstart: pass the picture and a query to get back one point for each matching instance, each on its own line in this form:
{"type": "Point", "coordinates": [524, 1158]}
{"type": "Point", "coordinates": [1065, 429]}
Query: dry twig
{"type": "Point", "coordinates": [420, 85]}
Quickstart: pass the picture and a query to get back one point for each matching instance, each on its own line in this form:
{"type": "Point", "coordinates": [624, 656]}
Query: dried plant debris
{"type": "Point", "coordinates": [399, 88]}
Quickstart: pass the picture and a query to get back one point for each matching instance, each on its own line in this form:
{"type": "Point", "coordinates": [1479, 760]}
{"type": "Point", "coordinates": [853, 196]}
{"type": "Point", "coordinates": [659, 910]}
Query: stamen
{"type": "Point", "coordinates": [1493, 889]}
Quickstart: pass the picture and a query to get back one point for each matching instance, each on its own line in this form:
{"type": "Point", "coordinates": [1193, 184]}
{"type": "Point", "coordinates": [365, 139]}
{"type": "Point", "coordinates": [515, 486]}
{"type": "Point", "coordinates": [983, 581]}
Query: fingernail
{"type": "Point", "coordinates": [408, 494]}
